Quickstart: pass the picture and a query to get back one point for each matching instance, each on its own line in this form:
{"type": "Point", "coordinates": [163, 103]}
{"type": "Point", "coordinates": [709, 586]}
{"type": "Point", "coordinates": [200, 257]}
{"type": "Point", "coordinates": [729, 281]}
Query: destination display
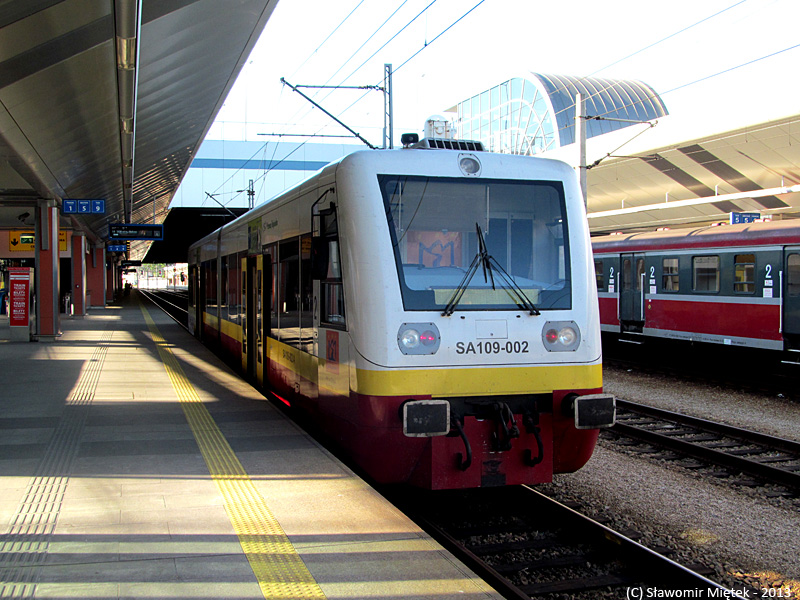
{"type": "Point", "coordinates": [133, 231]}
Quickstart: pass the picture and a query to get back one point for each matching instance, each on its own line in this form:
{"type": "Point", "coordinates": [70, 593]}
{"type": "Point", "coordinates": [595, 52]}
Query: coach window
{"type": "Point", "coordinates": [211, 284]}
{"type": "Point", "coordinates": [639, 273]}
{"type": "Point", "coordinates": [744, 274]}
{"type": "Point", "coordinates": [705, 273]}
{"type": "Point", "coordinates": [289, 302]}
{"type": "Point", "coordinates": [223, 282]}
{"type": "Point", "coordinates": [234, 297]}
{"type": "Point", "coordinates": [626, 275]}
{"type": "Point", "coordinates": [306, 296]}
{"type": "Point", "coordinates": [599, 275]}
{"type": "Point", "coordinates": [669, 275]}
{"type": "Point", "coordinates": [271, 257]}
{"type": "Point", "coordinates": [793, 275]}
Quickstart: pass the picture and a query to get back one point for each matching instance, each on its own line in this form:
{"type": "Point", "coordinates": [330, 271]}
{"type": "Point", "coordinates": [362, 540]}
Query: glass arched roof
{"type": "Point", "coordinates": [531, 115]}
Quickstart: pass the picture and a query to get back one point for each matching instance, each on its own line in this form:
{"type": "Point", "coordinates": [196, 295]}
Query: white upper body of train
{"type": "Point", "coordinates": [399, 233]}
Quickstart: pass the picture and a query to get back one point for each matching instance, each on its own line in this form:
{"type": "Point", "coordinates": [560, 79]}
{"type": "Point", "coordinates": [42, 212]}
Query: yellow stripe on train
{"type": "Point", "coordinates": [483, 380]}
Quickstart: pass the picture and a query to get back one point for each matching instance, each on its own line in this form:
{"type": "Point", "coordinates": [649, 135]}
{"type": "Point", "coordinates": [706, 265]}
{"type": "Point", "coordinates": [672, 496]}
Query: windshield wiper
{"type": "Point", "coordinates": [488, 263]}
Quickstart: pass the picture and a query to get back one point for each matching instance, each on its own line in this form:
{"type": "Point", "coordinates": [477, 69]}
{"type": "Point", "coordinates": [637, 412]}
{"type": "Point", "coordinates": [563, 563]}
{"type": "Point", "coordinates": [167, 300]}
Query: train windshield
{"type": "Point", "coordinates": [435, 223]}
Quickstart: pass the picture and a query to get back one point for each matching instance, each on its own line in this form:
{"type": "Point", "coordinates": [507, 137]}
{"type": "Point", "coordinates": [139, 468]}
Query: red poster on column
{"type": "Point", "coordinates": [19, 296]}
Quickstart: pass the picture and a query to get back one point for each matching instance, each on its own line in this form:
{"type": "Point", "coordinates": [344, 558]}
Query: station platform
{"type": "Point", "coordinates": [135, 464]}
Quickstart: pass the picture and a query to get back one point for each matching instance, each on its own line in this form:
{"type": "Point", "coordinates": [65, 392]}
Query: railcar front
{"type": "Point", "coordinates": [458, 331]}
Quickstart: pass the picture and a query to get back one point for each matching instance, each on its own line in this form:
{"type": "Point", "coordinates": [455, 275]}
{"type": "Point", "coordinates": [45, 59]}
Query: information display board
{"type": "Point", "coordinates": [134, 231]}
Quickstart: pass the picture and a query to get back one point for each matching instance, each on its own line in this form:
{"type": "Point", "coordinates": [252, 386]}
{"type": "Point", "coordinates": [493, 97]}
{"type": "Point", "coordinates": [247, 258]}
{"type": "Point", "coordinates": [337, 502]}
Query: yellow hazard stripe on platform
{"type": "Point", "coordinates": [278, 568]}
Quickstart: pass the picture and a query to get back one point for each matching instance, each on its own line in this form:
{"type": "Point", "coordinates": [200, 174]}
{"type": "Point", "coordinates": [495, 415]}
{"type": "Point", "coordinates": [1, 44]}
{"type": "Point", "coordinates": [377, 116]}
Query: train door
{"type": "Point", "coordinates": [253, 318]}
{"type": "Point", "coordinates": [246, 313]}
{"type": "Point", "coordinates": [262, 303]}
{"type": "Point", "coordinates": [791, 298]}
{"type": "Point", "coordinates": [194, 299]}
{"type": "Point", "coordinates": [201, 301]}
{"type": "Point", "coordinates": [631, 293]}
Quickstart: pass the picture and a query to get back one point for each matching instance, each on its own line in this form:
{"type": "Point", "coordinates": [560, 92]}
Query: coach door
{"type": "Point", "coordinates": [253, 321]}
{"type": "Point", "coordinates": [791, 297]}
{"type": "Point", "coordinates": [631, 296]}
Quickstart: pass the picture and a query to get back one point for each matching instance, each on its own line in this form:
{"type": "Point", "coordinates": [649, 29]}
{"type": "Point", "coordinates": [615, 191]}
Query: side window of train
{"type": "Point", "coordinates": [289, 291]}
{"type": "Point", "coordinates": [793, 275]}
{"type": "Point", "coordinates": [306, 287]}
{"type": "Point", "coordinates": [705, 273]}
{"type": "Point", "coordinates": [670, 279]}
{"type": "Point", "coordinates": [744, 274]}
{"type": "Point", "coordinates": [328, 270]}
{"type": "Point", "coordinates": [599, 275]}
{"type": "Point", "coordinates": [639, 273]}
{"type": "Point", "coordinates": [271, 256]}
{"type": "Point", "coordinates": [626, 275]}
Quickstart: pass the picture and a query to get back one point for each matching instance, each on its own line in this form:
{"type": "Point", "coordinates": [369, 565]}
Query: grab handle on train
{"type": "Point", "coordinates": [463, 464]}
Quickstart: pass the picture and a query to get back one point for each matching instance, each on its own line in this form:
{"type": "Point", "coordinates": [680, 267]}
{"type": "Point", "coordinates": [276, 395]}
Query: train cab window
{"type": "Point", "coordinates": [744, 274]}
{"type": "Point", "coordinates": [599, 275]}
{"type": "Point", "coordinates": [705, 273]}
{"type": "Point", "coordinates": [330, 272]}
{"type": "Point", "coordinates": [793, 275]}
{"type": "Point", "coordinates": [439, 224]}
{"type": "Point", "coordinates": [670, 281]}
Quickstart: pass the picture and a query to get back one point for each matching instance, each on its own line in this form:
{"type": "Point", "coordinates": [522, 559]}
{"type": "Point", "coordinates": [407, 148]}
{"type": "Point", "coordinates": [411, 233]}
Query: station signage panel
{"type": "Point", "coordinates": [133, 231]}
{"type": "Point", "coordinates": [25, 241]}
{"type": "Point", "coordinates": [117, 248]}
{"type": "Point", "coordinates": [19, 297]}
{"type": "Point", "coordinates": [71, 206]}
{"type": "Point", "coordinates": [744, 217]}
{"type": "Point", "coordinates": [131, 263]}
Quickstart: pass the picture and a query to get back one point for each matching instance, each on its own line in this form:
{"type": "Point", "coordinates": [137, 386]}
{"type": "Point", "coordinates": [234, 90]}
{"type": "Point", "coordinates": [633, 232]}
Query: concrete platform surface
{"type": "Point", "coordinates": [134, 464]}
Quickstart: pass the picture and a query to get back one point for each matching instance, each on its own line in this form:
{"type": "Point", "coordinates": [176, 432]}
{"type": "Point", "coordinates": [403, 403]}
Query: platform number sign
{"type": "Point", "coordinates": [71, 206]}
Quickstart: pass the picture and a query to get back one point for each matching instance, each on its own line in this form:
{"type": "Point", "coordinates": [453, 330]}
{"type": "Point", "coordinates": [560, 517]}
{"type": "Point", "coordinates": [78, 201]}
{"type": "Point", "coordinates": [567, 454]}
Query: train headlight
{"type": "Point", "coordinates": [418, 338]}
{"type": "Point", "coordinates": [469, 165]}
{"type": "Point", "coordinates": [561, 336]}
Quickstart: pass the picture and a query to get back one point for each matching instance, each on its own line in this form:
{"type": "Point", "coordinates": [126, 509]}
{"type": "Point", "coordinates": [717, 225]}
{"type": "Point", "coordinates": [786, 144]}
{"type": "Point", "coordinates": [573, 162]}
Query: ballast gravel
{"type": "Point", "coordinates": [748, 536]}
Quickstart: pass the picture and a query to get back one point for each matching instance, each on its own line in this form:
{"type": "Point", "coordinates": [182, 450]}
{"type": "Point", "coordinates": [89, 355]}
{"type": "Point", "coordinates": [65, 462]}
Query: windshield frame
{"type": "Point", "coordinates": [547, 298]}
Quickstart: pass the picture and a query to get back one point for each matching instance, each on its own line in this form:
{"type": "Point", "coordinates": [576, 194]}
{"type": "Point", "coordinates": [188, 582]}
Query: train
{"type": "Point", "coordinates": [734, 285]}
{"type": "Point", "coordinates": [432, 312]}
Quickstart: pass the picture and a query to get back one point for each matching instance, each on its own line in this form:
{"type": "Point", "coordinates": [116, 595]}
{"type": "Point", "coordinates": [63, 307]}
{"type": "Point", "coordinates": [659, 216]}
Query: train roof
{"type": "Point", "coordinates": [770, 233]}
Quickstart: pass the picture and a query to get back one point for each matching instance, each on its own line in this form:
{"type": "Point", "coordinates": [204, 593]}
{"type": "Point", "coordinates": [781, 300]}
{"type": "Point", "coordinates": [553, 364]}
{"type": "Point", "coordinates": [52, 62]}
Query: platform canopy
{"type": "Point", "coordinates": [111, 99]}
{"type": "Point", "coordinates": [753, 170]}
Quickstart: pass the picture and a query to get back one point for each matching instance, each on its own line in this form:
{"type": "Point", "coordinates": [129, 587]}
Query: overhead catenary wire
{"type": "Point", "coordinates": [649, 46]}
{"type": "Point", "coordinates": [276, 164]}
{"type": "Point", "coordinates": [330, 35]}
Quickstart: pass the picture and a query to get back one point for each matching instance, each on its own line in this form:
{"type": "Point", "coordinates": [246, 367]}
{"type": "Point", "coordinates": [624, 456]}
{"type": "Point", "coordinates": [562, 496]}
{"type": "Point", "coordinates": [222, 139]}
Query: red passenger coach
{"type": "Point", "coordinates": [737, 285]}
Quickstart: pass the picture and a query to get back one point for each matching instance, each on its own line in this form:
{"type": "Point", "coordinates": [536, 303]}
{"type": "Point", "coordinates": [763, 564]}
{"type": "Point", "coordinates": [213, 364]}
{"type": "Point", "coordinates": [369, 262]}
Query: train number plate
{"type": "Point", "coordinates": [492, 347]}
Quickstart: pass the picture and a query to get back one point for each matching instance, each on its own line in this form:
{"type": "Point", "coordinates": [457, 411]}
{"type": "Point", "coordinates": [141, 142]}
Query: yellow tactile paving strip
{"type": "Point", "coordinates": [278, 568]}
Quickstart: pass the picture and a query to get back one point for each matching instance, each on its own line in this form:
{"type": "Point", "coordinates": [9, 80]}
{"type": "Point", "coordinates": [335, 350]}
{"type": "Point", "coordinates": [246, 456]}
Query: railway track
{"type": "Point", "coordinates": [527, 545]}
{"type": "Point", "coordinates": [760, 458]}
{"type": "Point", "coordinates": [765, 373]}
{"type": "Point", "coordinates": [174, 303]}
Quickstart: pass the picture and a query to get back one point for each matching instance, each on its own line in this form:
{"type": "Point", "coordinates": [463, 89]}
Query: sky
{"type": "Point", "coordinates": [449, 50]}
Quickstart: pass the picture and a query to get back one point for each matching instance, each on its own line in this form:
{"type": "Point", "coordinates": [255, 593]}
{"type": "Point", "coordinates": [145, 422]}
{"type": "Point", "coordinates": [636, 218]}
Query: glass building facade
{"type": "Point", "coordinates": [535, 114]}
